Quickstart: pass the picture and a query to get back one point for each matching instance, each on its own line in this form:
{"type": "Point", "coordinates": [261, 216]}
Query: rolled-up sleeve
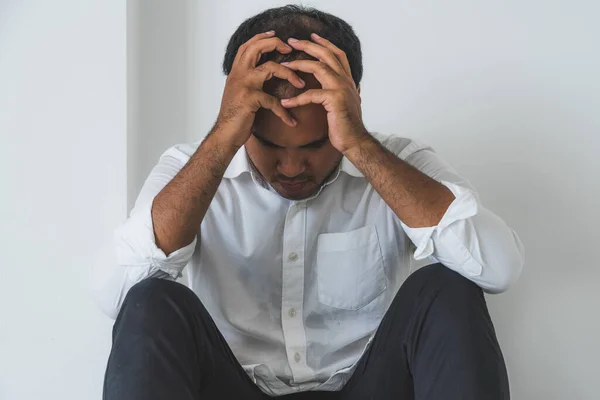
{"type": "Point", "coordinates": [132, 254]}
{"type": "Point", "coordinates": [469, 238]}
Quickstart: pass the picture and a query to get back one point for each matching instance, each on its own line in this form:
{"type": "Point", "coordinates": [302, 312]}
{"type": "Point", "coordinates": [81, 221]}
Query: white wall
{"type": "Point", "coordinates": [159, 48]}
{"type": "Point", "coordinates": [509, 93]}
{"type": "Point", "coordinates": [62, 168]}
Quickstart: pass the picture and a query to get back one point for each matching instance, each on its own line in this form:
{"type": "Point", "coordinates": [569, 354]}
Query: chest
{"type": "Point", "coordinates": [342, 248]}
{"type": "Point", "coordinates": [246, 220]}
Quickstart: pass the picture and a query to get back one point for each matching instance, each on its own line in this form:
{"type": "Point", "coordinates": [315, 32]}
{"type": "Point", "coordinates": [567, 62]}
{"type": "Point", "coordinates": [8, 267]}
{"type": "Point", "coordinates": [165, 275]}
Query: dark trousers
{"type": "Point", "coordinates": [435, 342]}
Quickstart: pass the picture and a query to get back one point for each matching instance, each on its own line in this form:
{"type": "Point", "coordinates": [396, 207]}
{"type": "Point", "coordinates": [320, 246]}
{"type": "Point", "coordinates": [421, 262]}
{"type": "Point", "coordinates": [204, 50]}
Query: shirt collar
{"type": "Point", "coordinates": [240, 164]}
{"type": "Point", "coordinates": [349, 168]}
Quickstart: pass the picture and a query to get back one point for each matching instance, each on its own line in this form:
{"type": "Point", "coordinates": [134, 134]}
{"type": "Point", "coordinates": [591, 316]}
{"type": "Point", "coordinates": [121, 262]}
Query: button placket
{"type": "Point", "coordinates": [294, 236]}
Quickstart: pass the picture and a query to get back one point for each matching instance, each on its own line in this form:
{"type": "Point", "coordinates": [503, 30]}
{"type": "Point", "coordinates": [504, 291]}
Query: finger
{"type": "Point", "coordinates": [312, 96]}
{"type": "Point", "coordinates": [256, 49]}
{"type": "Point", "coordinates": [320, 52]}
{"type": "Point", "coordinates": [264, 100]}
{"type": "Point", "coordinates": [270, 69]}
{"type": "Point", "coordinates": [244, 47]}
{"type": "Point", "coordinates": [339, 53]}
{"type": "Point", "coordinates": [324, 74]}
{"type": "Point", "coordinates": [258, 37]}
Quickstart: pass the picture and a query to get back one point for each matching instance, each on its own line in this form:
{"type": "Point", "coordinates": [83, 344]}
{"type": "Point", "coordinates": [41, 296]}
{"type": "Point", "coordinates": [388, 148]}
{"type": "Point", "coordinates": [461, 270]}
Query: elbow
{"type": "Point", "coordinates": [128, 258]}
{"type": "Point", "coordinates": [504, 271]}
{"type": "Point", "coordinates": [106, 300]}
{"type": "Point", "coordinates": [111, 277]}
{"type": "Point", "coordinates": [108, 307]}
{"type": "Point", "coordinates": [503, 279]}
{"type": "Point", "coordinates": [105, 284]}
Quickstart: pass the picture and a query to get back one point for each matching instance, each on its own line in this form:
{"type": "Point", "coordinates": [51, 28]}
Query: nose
{"type": "Point", "coordinates": [291, 165]}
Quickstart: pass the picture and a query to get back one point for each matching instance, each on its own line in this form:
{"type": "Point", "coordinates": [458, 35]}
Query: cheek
{"type": "Point", "coordinates": [258, 156]}
{"type": "Point", "coordinates": [265, 160]}
{"type": "Point", "coordinates": [322, 163]}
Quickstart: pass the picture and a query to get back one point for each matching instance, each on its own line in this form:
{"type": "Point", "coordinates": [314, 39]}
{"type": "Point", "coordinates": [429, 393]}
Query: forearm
{"type": "Point", "coordinates": [417, 199]}
{"type": "Point", "coordinates": [178, 210]}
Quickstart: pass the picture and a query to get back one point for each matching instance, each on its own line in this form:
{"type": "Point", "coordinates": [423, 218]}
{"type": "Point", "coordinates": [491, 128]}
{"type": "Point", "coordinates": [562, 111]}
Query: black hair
{"type": "Point", "coordinates": [298, 22]}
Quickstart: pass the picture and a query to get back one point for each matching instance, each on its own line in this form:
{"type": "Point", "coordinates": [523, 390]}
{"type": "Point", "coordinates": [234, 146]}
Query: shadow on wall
{"type": "Point", "coordinates": [158, 66]}
{"type": "Point", "coordinates": [530, 319]}
{"type": "Point", "coordinates": [518, 157]}
{"type": "Point", "coordinates": [528, 142]}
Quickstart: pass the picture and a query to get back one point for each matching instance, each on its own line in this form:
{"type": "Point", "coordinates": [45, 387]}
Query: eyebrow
{"type": "Point", "coordinates": [315, 143]}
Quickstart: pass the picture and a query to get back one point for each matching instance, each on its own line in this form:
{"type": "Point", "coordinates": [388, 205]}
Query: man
{"type": "Point", "coordinates": [303, 234]}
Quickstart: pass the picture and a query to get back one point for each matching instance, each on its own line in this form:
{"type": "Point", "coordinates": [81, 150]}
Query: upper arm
{"type": "Point", "coordinates": [168, 166]}
{"type": "Point", "coordinates": [131, 255]}
{"type": "Point", "coordinates": [426, 160]}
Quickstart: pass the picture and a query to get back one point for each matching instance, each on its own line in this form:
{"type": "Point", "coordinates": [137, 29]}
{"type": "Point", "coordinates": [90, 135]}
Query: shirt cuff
{"type": "Point", "coordinates": [136, 247]}
{"type": "Point", "coordinates": [465, 205]}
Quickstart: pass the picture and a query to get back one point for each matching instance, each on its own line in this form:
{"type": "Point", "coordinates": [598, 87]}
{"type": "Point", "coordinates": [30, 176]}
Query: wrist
{"type": "Point", "coordinates": [228, 137]}
{"type": "Point", "coordinates": [365, 140]}
{"type": "Point", "coordinates": [223, 142]}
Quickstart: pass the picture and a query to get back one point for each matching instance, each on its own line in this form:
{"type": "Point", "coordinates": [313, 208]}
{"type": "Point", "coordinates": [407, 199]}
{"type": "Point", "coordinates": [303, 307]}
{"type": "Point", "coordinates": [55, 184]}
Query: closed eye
{"type": "Point", "coordinates": [316, 145]}
{"type": "Point", "coordinates": [266, 143]}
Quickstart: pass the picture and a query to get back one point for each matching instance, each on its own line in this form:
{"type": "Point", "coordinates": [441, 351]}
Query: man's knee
{"type": "Point", "coordinates": [152, 300]}
{"type": "Point", "coordinates": [449, 302]}
{"type": "Point", "coordinates": [443, 282]}
{"type": "Point", "coordinates": [151, 292]}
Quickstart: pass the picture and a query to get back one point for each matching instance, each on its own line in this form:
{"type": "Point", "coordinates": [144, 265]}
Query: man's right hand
{"type": "Point", "coordinates": [243, 95]}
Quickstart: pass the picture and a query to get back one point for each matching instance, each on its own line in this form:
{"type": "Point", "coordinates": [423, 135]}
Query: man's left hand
{"type": "Point", "coordinates": [339, 94]}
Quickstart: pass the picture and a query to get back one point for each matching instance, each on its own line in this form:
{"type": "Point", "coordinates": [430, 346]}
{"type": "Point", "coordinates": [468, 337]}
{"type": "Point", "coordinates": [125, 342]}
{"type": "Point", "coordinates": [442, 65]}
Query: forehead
{"type": "Point", "coordinates": [311, 126]}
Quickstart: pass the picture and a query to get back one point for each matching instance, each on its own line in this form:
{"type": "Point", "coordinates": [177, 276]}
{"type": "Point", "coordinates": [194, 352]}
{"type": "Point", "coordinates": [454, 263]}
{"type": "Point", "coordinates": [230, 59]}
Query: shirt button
{"type": "Point", "coordinates": [293, 257]}
{"type": "Point", "coordinates": [297, 357]}
{"type": "Point", "coordinates": [292, 312]}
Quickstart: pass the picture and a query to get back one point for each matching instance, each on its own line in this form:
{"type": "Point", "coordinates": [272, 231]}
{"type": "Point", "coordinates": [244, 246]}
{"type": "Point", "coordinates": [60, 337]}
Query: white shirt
{"type": "Point", "coordinates": [298, 288]}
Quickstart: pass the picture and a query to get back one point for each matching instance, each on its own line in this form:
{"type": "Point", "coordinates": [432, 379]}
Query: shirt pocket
{"type": "Point", "coordinates": [350, 268]}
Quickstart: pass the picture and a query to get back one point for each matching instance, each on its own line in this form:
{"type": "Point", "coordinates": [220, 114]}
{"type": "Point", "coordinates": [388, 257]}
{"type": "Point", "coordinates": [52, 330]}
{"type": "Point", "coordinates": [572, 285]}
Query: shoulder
{"type": "Point", "coordinates": [181, 152]}
{"type": "Point", "coordinates": [401, 146]}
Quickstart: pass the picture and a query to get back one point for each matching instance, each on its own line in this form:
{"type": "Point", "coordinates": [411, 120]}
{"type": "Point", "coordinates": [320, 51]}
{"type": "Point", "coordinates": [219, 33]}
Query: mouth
{"type": "Point", "coordinates": [293, 187]}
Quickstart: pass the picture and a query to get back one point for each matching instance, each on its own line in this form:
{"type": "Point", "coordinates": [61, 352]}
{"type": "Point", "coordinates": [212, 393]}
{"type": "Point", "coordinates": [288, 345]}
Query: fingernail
{"type": "Point", "coordinates": [285, 100]}
{"type": "Point", "coordinates": [292, 40]}
{"type": "Point", "coordinates": [301, 81]}
{"type": "Point", "coordinates": [294, 122]}
{"type": "Point", "coordinates": [317, 36]}
{"type": "Point", "coordinates": [285, 63]}
{"type": "Point", "coordinates": [270, 32]}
